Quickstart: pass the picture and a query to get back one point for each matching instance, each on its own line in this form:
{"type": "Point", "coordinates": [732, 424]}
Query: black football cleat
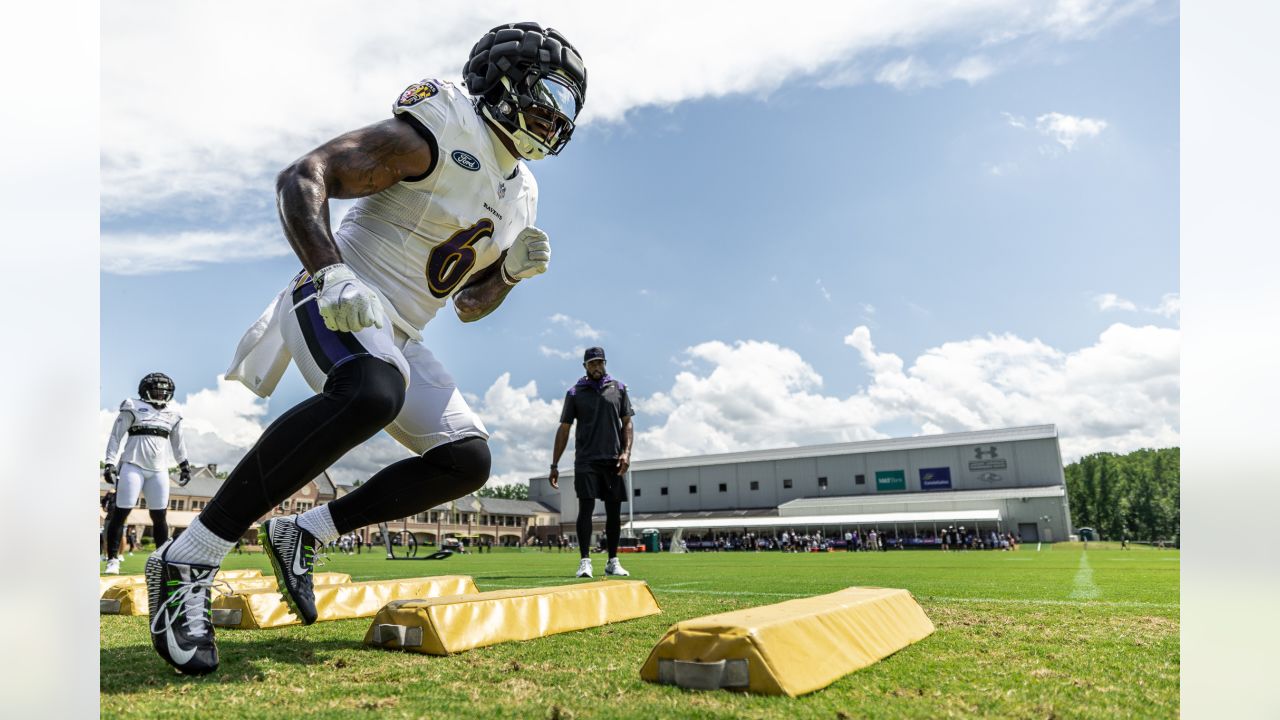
{"type": "Point", "coordinates": [179, 599]}
{"type": "Point", "coordinates": [293, 555]}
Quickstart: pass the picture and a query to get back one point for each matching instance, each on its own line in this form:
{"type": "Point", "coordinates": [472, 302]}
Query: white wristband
{"type": "Point", "coordinates": [510, 281]}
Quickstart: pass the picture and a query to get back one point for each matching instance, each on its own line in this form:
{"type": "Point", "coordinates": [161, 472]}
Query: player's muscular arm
{"type": "Point", "coordinates": [482, 294]}
{"type": "Point", "coordinates": [357, 164]}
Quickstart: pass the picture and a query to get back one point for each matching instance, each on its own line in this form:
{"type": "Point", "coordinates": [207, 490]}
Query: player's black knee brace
{"type": "Point", "coordinates": [465, 462]}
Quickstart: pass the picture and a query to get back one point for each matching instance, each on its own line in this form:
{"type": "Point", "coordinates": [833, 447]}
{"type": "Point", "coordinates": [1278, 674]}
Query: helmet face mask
{"type": "Point", "coordinates": [531, 83]}
{"type": "Point", "coordinates": [539, 117]}
{"type": "Point", "coordinates": [157, 389]}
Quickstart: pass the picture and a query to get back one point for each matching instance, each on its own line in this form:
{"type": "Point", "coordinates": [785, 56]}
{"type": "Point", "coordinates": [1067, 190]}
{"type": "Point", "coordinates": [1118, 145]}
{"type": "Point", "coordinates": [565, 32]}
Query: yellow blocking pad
{"type": "Point", "coordinates": [447, 625]}
{"type": "Point", "coordinates": [131, 598]}
{"type": "Point", "coordinates": [267, 609]}
{"type": "Point", "coordinates": [790, 648]}
{"type": "Point", "coordinates": [106, 582]}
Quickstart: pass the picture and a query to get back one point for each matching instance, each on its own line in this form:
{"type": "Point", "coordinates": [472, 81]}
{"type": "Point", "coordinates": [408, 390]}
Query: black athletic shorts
{"type": "Point", "coordinates": [600, 481]}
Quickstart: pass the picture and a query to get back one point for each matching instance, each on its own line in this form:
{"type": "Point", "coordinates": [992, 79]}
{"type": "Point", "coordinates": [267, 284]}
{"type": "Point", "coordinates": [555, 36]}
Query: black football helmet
{"type": "Point", "coordinates": [157, 389]}
{"type": "Point", "coordinates": [529, 81]}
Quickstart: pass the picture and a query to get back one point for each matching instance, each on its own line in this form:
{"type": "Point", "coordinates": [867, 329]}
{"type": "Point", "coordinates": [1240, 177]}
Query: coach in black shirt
{"type": "Point", "coordinates": [602, 453]}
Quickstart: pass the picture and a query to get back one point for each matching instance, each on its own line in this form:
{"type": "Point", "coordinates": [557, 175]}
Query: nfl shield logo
{"type": "Point", "coordinates": [502, 190]}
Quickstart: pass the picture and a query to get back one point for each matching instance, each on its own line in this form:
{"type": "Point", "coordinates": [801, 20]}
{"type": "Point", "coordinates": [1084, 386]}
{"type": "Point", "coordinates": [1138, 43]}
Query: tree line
{"type": "Point", "coordinates": [1133, 495]}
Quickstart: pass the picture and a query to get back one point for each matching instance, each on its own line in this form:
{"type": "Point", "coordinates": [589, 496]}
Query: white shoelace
{"type": "Point", "coordinates": [190, 597]}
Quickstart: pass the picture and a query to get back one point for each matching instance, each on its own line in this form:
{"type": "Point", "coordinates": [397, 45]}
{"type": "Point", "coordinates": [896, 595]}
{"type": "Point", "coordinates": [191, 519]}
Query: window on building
{"type": "Point", "coordinates": [724, 487]}
{"type": "Point", "coordinates": [693, 489]}
{"type": "Point", "coordinates": [636, 492]}
{"type": "Point", "coordinates": [822, 482]}
{"type": "Point", "coordinates": [786, 482]}
{"type": "Point", "coordinates": [859, 479]}
{"type": "Point", "coordinates": [755, 484]}
{"type": "Point", "coordinates": [662, 491]}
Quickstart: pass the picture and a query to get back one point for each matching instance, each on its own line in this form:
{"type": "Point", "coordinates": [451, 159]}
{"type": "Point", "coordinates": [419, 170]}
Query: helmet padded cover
{"type": "Point", "coordinates": [512, 51]}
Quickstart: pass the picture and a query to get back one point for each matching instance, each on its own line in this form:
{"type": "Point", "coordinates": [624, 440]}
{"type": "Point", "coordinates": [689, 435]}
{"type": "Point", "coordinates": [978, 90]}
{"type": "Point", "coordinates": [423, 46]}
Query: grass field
{"type": "Point", "coordinates": [1061, 633]}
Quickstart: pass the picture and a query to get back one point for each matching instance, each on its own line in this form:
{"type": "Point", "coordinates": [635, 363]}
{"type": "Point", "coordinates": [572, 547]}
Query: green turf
{"type": "Point", "coordinates": [1062, 633]}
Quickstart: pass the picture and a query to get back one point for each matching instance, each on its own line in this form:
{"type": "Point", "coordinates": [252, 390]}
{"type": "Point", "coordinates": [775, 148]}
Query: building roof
{"type": "Point", "coordinates": [799, 522]}
{"type": "Point", "coordinates": [846, 503]}
{"type": "Point", "coordinates": [497, 506]}
{"type": "Point", "coordinates": [973, 437]}
{"type": "Point", "coordinates": [503, 506]}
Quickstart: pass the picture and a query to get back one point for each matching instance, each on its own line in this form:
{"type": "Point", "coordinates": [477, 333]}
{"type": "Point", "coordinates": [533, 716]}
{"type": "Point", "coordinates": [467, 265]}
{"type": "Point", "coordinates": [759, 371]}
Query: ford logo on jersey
{"type": "Point", "coordinates": [466, 160]}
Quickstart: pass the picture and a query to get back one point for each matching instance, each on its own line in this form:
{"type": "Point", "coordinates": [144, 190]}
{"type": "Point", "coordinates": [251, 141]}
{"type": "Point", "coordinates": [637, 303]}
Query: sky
{"type": "Point", "coordinates": [800, 224]}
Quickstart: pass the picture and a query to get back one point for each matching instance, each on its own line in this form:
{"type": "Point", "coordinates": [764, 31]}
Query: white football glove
{"type": "Point", "coordinates": [346, 304]}
{"type": "Point", "coordinates": [528, 256]}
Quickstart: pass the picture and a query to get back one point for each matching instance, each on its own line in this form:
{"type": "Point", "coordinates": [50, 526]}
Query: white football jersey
{"type": "Point", "coordinates": [419, 241]}
{"type": "Point", "coordinates": [147, 451]}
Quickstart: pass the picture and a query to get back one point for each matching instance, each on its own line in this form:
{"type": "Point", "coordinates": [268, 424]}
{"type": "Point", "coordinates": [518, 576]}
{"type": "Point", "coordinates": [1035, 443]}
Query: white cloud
{"type": "Point", "coordinates": [823, 289]}
{"type": "Point", "coordinates": [752, 395]}
{"type": "Point", "coordinates": [562, 354]}
{"type": "Point", "coordinates": [1015, 120]}
{"type": "Point", "coordinates": [522, 428]}
{"type": "Point", "coordinates": [1170, 304]}
{"type": "Point", "coordinates": [217, 119]}
{"type": "Point", "coordinates": [579, 328]}
{"type": "Point", "coordinates": [1120, 393]}
{"type": "Point", "coordinates": [908, 72]}
{"type": "Point", "coordinates": [147, 253]}
{"type": "Point", "coordinates": [1111, 301]}
{"type": "Point", "coordinates": [1066, 130]}
{"type": "Point", "coordinates": [973, 69]}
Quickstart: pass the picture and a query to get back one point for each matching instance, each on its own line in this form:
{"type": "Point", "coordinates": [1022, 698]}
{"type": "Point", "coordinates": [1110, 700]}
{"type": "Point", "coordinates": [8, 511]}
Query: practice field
{"type": "Point", "coordinates": [1063, 633]}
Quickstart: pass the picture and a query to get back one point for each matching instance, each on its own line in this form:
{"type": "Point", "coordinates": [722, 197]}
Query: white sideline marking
{"type": "Point", "coordinates": [1083, 587]}
{"type": "Point", "coordinates": [931, 598]}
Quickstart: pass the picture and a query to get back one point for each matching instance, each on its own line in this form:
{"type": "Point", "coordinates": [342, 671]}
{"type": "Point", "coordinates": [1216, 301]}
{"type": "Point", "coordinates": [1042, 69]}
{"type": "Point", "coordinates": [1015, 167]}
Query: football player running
{"type": "Point", "coordinates": [136, 461]}
{"type": "Point", "coordinates": [446, 209]}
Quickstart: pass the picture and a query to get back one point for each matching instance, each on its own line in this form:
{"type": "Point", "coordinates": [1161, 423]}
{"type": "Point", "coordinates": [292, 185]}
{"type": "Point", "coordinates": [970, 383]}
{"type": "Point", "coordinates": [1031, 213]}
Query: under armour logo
{"type": "Point", "coordinates": [988, 452]}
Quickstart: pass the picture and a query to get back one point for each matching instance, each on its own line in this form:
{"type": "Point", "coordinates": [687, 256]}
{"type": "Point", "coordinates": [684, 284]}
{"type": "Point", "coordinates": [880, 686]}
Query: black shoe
{"type": "Point", "coordinates": [293, 555]}
{"type": "Point", "coordinates": [179, 599]}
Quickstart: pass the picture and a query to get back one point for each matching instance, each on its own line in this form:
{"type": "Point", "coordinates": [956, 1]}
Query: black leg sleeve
{"type": "Point", "coordinates": [159, 526]}
{"type": "Point", "coordinates": [115, 530]}
{"type": "Point", "coordinates": [586, 507]}
{"type": "Point", "coordinates": [361, 396]}
{"type": "Point", "coordinates": [612, 525]}
{"type": "Point", "coordinates": [414, 485]}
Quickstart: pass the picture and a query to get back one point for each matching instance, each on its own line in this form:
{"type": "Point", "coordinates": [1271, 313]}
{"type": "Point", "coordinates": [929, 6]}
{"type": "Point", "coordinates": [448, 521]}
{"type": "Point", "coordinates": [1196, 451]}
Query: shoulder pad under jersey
{"type": "Point", "coordinates": [127, 405]}
{"type": "Point", "coordinates": [433, 103]}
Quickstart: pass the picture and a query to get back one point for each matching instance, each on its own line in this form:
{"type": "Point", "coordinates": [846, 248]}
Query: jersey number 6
{"type": "Point", "coordinates": [451, 260]}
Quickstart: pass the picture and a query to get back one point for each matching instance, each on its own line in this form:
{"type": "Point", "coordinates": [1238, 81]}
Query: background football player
{"type": "Point", "coordinates": [446, 210]}
{"type": "Point", "coordinates": [137, 461]}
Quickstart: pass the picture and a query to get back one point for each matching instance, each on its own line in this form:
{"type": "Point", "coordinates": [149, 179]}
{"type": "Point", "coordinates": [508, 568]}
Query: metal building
{"type": "Point", "coordinates": [1009, 480]}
